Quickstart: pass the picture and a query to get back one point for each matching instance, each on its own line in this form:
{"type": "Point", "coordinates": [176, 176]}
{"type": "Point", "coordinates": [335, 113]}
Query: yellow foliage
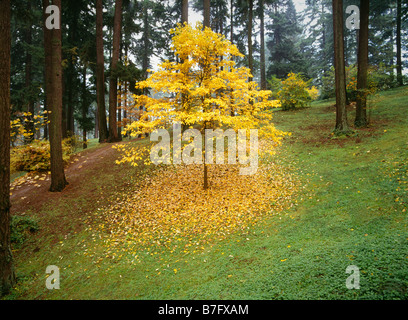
{"type": "Point", "coordinates": [295, 92]}
{"type": "Point", "coordinates": [204, 89]}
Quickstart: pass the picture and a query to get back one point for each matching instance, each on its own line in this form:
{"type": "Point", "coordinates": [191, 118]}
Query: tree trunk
{"type": "Point", "coordinates": [207, 9]}
{"type": "Point", "coordinates": [361, 107]}
{"type": "Point", "coordinates": [113, 89]}
{"type": "Point", "coordinates": [100, 75]}
{"type": "Point", "coordinates": [146, 35]}
{"type": "Point", "coordinates": [205, 176]}
{"type": "Point", "coordinates": [120, 112]}
{"type": "Point", "coordinates": [184, 11]}
{"type": "Point", "coordinates": [250, 22]}
{"type": "Point", "coordinates": [398, 40]}
{"type": "Point", "coordinates": [84, 109]}
{"type": "Point", "coordinates": [340, 74]}
{"type": "Point", "coordinates": [7, 275]}
{"type": "Point", "coordinates": [231, 21]}
{"type": "Point", "coordinates": [28, 82]}
{"type": "Point", "coordinates": [262, 31]}
{"type": "Point", "coordinates": [53, 71]}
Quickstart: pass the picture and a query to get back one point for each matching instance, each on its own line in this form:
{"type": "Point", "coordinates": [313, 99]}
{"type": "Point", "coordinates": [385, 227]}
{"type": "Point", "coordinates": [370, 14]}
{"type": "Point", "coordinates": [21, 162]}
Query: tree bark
{"type": "Point", "coordinates": [398, 40]}
{"type": "Point", "coordinates": [231, 21]}
{"type": "Point", "coordinates": [53, 71]}
{"type": "Point", "coordinates": [184, 11]}
{"type": "Point", "coordinates": [207, 9]}
{"type": "Point", "coordinates": [28, 82]}
{"type": "Point", "coordinates": [340, 74]}
{"type": "Point", "coordinates": [262, 31]}
{"type": "Point", "coordinates": [113, 89]}
{"type": "Point", "coordinates": [361, 107]}
{"type": "Point", "coordinates": [100, 75]}
{"type": "Point", "coordinates": [84, 109]}
{"type": "Point", "coordinates": [250, 22]}
{"type": "Point", "coordinates": [7, 274]}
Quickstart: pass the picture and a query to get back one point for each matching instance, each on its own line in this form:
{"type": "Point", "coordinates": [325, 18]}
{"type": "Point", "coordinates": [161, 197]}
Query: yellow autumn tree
{"type": "Point", "coordinates": [202, 88]}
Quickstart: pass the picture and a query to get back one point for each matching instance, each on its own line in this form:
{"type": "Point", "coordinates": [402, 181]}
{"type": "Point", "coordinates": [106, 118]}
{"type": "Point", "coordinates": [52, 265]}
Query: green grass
{"type": "Point", "coordinates": [351, 211]}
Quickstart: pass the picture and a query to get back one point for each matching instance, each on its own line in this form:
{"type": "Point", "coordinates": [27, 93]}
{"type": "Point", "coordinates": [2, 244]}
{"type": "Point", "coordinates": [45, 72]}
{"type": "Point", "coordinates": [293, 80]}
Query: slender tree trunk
{"type": "Point", "coordinates": [45, 106]}
{"type": "Point", "coordinates": [53, 71]}
{"type": "Point", "coordinates": [262, 31]}
{"type": "Point", "coordinates": [113, 81]}
{"type": "Point", "coordinates": [184, 12]}
{"type": "Point", "coordinates": [398, 40]}
{"type": "Point", "coordinates": [231, 21]}
{"type": "Point", "coordinates": [125, 107]}
{"type": "Point", "coordinates": [28, 81]}
{"type": "Point", "coordinates": [84, 109]}
{"type": "Point", "coordinates": [207, 9]}
{"type": "Point", "coordinates": [338, 32]}
{"type": "Point", "coordinates": [7, 275]}
{"type": "Point", "coordinates": [69, 98]}
{"type": "Point", "coordinates": [146, 35]}
{"type": "Point", "coordinates": [250, 23]}
{"type": "Point", "coordinates": [361, 108]}
{"type": "Point", "coordinates": [100, 75]}
{"type": "Point", "coordinates": [120, 112]}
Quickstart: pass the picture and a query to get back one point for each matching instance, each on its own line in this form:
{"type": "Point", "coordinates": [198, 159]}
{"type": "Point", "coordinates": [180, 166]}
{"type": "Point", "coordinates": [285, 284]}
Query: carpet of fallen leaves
{"type": "Point", "coordinates": [171, 211]}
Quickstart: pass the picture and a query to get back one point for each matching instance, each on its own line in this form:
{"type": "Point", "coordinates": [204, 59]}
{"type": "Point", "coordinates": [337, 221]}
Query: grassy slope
{"type": "Point", "coordinates": [351, 212]}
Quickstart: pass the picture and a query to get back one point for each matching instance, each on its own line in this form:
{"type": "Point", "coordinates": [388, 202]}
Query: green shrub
{"type": "Point", "coordinates": [20, 228]}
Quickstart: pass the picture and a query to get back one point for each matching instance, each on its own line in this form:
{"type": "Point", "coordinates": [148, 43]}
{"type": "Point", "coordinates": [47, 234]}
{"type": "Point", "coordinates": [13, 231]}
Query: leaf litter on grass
{"type": "Point", "coordinates": [170, 212]}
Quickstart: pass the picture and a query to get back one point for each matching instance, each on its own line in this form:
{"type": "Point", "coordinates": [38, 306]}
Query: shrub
{"type": "Point", "coordinates": [379, 78]}
{"type": "Point", "coordinates": [20, 228]}
{"type": "Point", "coordinates": [295, 92]}
{"type": "Point", "coordinates": [36, 156]}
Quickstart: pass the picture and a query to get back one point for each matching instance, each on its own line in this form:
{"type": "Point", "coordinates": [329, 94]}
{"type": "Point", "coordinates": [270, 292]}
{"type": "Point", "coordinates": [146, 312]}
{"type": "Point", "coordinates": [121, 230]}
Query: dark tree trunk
{"type": "Point", "coordinates": [361, 107]}
{"type": "Point", "coordinates": [262, 31]}
{"type": "Point", "coordinates": [231, 21]}
{"type": "Point", "coordinates": [113, 89]}
{"type": "Point", "coordinates": [7, 275]}
{"type": "Point", "coordinates": [398, 40]}
{"type": "Point", "coordinates": [120, 112]}
{"type": "Point", "coordinates": [45, 107]}
{"type": "Point", "coordinates": [250, 22]}
{"type": "Point", "coordinates": [84, 109]}
{"type": "Point", "coordinates": [28, 81]}
{"type": "Point", "coordinates": [53, 71]}
{"type": "Point", "coordinates": [100, 75]}
{"type": "Point", "coordinates": [340, 74]}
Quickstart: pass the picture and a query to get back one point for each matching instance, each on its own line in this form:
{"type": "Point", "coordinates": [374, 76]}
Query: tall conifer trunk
{"type": "Point", "coordinates": [7, 275]}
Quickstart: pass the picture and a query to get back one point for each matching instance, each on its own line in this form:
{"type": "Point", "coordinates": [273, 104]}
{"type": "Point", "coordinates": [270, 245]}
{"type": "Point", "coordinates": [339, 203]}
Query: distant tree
{"type": "Point", "coordinates": [284, 40]}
